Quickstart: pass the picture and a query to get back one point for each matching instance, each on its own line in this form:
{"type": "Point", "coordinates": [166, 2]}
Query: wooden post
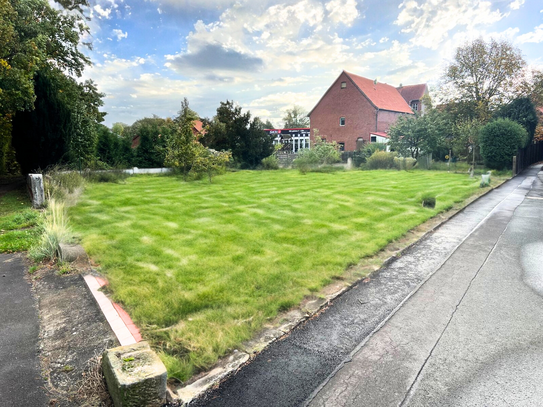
{"type": "Point", "coordinates": [514, 165]}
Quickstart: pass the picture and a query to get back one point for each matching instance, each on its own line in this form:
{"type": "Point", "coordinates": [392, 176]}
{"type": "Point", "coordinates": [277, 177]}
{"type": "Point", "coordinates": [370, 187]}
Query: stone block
{"type": "Point", "coordinates": [71, 252]}
{"type": "Point", "coordinates": [36, 190]}
{"type": "Point", "coordinates": [135, 376]}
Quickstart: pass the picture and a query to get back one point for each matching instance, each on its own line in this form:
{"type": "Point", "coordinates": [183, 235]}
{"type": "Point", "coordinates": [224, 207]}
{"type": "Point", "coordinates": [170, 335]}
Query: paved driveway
{"type": "Point", "coordinates": [20, 382]}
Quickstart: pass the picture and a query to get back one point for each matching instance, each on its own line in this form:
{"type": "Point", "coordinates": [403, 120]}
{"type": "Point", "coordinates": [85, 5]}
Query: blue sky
{"type": "Point", "coordinates": [269, 55]}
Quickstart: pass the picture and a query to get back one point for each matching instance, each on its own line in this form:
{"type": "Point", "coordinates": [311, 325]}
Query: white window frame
{"type": "Point", "coordinates": [342, 118]}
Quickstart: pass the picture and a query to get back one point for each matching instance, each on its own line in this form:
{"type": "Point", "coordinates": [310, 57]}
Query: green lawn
{"type": "Point", "coordinates": [202, 266]}
{"type": "Point", "coordinates": [17, 221]}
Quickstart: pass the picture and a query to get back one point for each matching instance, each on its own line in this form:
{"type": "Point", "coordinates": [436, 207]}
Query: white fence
{"type": "Point", "coordinates": [137, 170]}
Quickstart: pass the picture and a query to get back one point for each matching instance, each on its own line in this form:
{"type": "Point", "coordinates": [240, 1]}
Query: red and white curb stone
{"type": "Point", "coordinates": [120, 322]}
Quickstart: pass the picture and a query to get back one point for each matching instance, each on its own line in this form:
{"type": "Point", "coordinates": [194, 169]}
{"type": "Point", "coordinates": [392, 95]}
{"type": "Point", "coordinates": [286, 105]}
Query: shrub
{"type": "Point", "coordinates": [360, 156]}
{"type": "Point", "coordinates": [381, 160]}
{"type": "Point", "coordinates": [60, 182]}
{"type": "Point", "coordinates": [270, 163]}
{"type": "Point", "coordinates": [322, 153]}
{"type": "Point", "coordinates": [114, 176]}
{"type": "Point", "coordinates": [404, 163]}
{"type": "Point", "coordinates": [500, 140]}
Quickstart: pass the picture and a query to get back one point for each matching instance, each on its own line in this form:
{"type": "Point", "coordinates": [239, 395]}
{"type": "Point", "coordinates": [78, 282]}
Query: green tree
{"type": "Point", "coordinates": [107, 146]}
{"type": "Point", "coordinates": [500, 140]}
{"type": "Point", "coordinates": [483, 74]}
{"type": "Point", "coordinates": [209, 162]}
{"type": "Point", "coordinates": [34, 36]}
{"type": "Point", "coordinates": [183, 146]}
{"type": "Point", "coordinates": [62, 126]}
{"type": "Point", "coordinates": [522, 111]}
{"type": "Point", "coordinates": [414, 135]}
{"type": "Point", "coordinates": [295, 118]}
{"type": "Point", "coordinates": [233, 130]}
{"type": "Point", "coordinates": [153, 133]}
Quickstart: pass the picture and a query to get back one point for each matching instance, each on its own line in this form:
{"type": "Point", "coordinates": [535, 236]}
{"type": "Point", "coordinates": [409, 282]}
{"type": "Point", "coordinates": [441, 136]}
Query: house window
{"type": "Point", "coordinates": [342, 121]}
{"type": "Point", "coordinates": [341, 146]}
{"type": "Point", "coordinates": [415, 106]}
{"type": "Point", "coordinates": [343, 85]}
{"type": "Point", "coordinates": [373, 139]}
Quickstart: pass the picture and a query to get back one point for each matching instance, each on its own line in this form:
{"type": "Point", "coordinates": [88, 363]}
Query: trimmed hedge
{"type": "Point", "coordinates": [500, 140]}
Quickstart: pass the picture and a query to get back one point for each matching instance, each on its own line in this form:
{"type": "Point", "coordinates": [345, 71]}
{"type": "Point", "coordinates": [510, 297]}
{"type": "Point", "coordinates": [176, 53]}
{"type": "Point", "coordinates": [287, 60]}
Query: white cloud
{"type": "Point", "coordinates": [126, 82]}
{"type": "Point", "coordinates": [159, 10]}
{"type": "Point", "coordinates": [431, 22]}
{"type": "Point", "coordinates": [103, 13]}
{"type": "Point", "coordinates": [342, 11]}
{"type": "Point", "coordinates": [516, 4]}
{"type": "Point", "coordinates": [119, 34]}
{"type": "Point", "coordinates": [383, 40]}
{"type": "Point", "coordinates": [534, 36]}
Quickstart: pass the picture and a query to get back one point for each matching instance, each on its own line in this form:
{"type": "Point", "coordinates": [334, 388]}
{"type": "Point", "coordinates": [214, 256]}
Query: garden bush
{"type": "Point", "coordinates": [321, 154]}
{"type": "Point", "coordinates": [60, 182]}
{"type": "Point", "coordinates": [361, 156]}
{"type": "Point", "coordinates": [270, 163]}
{"type": "Point", "coordinates": [404, 163]}
{"type": "Point", "coordinates": [114, 176]}
{"type": "Point", "coordinates": [381, 160]}
{"type": "Point", "coordinates": [500, 140]}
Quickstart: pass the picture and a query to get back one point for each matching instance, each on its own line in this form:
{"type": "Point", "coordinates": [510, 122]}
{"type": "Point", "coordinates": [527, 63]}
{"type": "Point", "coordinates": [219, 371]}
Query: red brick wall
{"type": "Point", "coordinates": [349, 103]}
{"type": "Point", "coordinates": [385, 119]}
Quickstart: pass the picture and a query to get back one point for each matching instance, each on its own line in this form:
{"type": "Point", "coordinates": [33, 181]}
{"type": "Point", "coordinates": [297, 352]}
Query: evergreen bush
{"type": "Point", "coordinates": [500, 140]}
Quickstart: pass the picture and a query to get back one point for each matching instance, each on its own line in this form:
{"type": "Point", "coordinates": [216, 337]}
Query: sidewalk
{"type": "Point", "coordinates": [324, 350]}
{"type": "Point", "coordinates": [20, 381]}
{"type": "Point", "coordinates": [471, 335]}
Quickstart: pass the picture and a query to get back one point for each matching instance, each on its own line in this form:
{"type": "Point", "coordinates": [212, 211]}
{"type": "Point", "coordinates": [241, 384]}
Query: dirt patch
{"type": "Point", "coordinates": [73, 336]}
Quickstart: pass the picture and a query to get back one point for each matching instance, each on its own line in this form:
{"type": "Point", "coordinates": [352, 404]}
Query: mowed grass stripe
{"type": "Point", "coordinates": [202, 266]}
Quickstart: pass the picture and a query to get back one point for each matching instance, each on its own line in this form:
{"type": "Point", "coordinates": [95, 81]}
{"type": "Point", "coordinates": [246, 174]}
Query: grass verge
{"type": "Point", "coordinates": [18, 221]}
{"type": "Point", "coordinates": [201, 267]}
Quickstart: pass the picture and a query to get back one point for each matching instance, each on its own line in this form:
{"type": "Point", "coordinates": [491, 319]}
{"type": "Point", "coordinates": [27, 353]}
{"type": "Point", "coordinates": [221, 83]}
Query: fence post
{"type": "Point", "coordinates": [514, 165]}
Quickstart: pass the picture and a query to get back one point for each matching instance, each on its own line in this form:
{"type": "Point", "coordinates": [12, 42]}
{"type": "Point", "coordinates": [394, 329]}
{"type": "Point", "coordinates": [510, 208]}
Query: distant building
{"type": "Point", "coordinates": [198, 128]}
{"type": "Point", "coordinates": [413, 95]}
{"type": "Point", "coordinates": [357, 110]}
{"type": "Point", "coordinates": [292, 140]}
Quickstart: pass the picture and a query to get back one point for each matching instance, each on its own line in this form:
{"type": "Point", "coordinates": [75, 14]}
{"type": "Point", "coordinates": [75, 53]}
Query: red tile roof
{"type": "Point", "coordinates": [198, 125]}
{"type": "Point", "coordinates": [412, 92]}
{"type": "Point", "coordinates": [381, 95]}
{"type": "Point", "coordinates": [135, 141]}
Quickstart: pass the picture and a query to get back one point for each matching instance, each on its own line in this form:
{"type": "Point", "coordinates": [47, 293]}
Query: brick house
{"type": "Point", "coordinates": [355, 110]}
{"type": "Point", "coordinates": [413, 95]}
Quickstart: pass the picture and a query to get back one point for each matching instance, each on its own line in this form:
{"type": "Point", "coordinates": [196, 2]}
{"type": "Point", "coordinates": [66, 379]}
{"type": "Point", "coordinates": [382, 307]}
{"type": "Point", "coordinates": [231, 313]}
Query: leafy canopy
{"type": "Point", "coordinates": [484, 74]}
{"type": "Point", "coordinates": [295, 118]}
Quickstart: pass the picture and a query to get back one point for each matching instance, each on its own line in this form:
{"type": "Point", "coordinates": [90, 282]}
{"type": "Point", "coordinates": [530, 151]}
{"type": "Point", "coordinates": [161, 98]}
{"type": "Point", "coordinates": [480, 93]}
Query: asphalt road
{"type": "Point", "coordinates": [471, 335]}
{"type": "Point", "coordinates": [20, 382]}
{"type": "Point", "coordinates": [322, 362]}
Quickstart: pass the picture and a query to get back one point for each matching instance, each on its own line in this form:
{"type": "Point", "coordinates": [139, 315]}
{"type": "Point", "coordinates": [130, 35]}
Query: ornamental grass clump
{"type": "Point", "coordinates": [55, 231]}
{"type": "Point", "coordinates": [428, 201]}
